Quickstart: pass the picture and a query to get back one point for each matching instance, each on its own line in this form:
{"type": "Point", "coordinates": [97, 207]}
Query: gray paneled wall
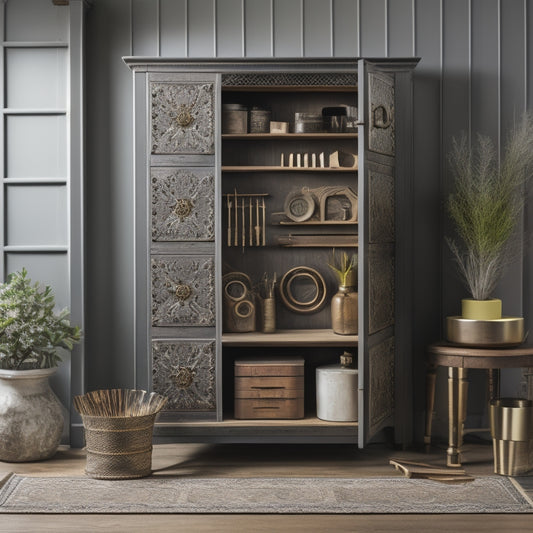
{"type": "Point", "coordinates": [41, 156]}
{"type": "Point", "coordinates": [475, 75]}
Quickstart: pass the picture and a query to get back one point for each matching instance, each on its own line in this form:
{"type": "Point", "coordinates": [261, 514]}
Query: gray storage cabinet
{"type": "Point", "coordinates": [184, 165]}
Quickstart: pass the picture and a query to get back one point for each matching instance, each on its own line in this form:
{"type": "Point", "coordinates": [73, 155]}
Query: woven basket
{"type": "Point", "coordinates": [120, 447]}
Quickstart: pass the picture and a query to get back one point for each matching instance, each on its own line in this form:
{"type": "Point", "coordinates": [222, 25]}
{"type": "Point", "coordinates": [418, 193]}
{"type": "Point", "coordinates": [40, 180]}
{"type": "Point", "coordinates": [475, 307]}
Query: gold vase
{"type": "Point", "coordinates": [344, 312]}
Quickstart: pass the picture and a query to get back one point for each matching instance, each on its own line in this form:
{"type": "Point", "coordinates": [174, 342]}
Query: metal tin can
{"type": "Point", "coordinates": [234, 118]}
{"type": "Point", "coordinates": [308, 123]}
{"type": "Point", "coordinates": [336, 393]}
{"type": "Point", "coordinates": [259, 120]}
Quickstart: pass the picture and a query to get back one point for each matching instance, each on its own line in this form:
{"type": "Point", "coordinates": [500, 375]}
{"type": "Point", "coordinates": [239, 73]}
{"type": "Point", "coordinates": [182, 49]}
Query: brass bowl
{"type": "Point", "coordinates": [505, 331]}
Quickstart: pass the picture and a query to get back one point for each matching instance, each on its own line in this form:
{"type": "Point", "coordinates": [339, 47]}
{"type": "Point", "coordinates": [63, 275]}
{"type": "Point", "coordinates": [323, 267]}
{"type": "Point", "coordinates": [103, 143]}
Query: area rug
{"type": "Point", "coordinates": [20, 494]}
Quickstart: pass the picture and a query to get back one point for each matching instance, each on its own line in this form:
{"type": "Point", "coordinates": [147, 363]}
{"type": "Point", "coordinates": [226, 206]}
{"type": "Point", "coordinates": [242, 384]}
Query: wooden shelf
{"type": "Point", "coordinates": [264, 168]}
{"type": "Point", "coordinates": [317, 223]}
{"type": "Point", "coordinates": [308, 421]}
{"type": "Point", "coordinates": [287, 136]}
{"type": "Point", "coordinates": [290, 337]}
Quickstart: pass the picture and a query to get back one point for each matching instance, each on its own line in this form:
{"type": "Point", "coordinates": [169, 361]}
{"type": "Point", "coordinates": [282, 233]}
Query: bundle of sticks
{"type": "Point", "coordinates": [119, 402]}
{"type": "Point", "coordinates": [246, 219]}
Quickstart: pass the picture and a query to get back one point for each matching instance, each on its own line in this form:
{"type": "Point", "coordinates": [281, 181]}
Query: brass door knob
{"type": "Point", "coordinates": [183, 292]}
{"type": "Point", "coordinates": [183, 377]}
{"type": "Point", "coordinates": [183, 208]}
{"type": "Point", "coordinates": [183, 116]}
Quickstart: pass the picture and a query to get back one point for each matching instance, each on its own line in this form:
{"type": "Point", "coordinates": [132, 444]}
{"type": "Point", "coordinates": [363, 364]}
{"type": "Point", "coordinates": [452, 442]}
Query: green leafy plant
{"type": "Point", "coordinates": [486, 205]}
{"type": "Point", "coordinates": [344, 268]}
{"type": "Point", "coordinates": [30, 330]}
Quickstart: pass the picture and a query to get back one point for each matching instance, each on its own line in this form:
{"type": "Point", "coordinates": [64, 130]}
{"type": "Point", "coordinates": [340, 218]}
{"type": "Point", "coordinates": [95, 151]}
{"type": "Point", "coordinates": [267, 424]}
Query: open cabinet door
{"type": "Point", "coordinates": [377, 236]}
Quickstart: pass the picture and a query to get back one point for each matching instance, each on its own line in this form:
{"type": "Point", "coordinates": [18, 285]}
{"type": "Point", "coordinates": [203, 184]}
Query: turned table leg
{"type": "Point", "coordinates": [494, 383]}
{"type": "Point", "coordinates": [431, 377]}
{"type": "Point", "coordinates": [457, 396]}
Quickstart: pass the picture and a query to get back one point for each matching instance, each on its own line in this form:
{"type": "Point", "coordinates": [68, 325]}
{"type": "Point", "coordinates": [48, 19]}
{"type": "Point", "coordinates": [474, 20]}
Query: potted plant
{"type": "Point", "coordinates": [31, 416]}
{"type": "Point", "coordinates": [485, 207]}
{"type": "Point", "coordinates": [344, 312]}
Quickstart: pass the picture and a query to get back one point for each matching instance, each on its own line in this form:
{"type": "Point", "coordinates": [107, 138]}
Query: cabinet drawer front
{"type": "Point", "coordinates": [269, 383]}
{"type": "Point", "coordinates": [182, 118]}
{"type": "Point", "coordinates": [183, 290]}
{"type": "Point", "coordinates": [183, 204]}
{"type": "Point", "coordinates": [274, 408]}
{"type": "Point", "coordinates": [184, 372]}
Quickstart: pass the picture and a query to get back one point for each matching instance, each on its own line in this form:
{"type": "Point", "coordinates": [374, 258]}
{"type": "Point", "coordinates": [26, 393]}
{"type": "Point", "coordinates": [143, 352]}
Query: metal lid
{"type": "Point", "coordinates": [337, 369]}
{"type": "Point", "coordinates": [234, 107]}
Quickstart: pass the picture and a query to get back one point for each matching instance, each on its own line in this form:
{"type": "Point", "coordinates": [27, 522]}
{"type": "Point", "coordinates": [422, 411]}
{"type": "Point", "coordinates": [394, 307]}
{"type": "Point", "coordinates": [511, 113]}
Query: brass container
{"type": "Point", "coordinates": [268, 315]}
{"type": "Point", "coordinates": [481, 309]}
{"type": "Point", "coordinates": [511, 427]}
{"type": "Point", "coordinates": [344, 312]}
{"type": "Point", "coordinates": [506, 331]}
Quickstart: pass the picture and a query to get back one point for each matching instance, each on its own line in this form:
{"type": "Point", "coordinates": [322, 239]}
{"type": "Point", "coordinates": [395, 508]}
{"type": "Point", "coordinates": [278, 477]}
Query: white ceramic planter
{"type": "Point", "coordinates": [31, 416]}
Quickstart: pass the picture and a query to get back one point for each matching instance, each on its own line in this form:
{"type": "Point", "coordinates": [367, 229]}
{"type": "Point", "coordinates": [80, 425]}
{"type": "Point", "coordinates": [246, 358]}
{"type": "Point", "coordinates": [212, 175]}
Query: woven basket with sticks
{"type": "Point", "coordinates": [119, 426]}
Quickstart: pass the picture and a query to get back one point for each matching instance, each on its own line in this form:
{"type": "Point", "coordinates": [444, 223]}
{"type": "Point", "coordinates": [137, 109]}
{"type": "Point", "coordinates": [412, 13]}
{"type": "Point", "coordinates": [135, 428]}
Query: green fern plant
{"type": "Point", "coordinates": [30, 329]}
{"type": "Point", "coordinates": [344, 268]}
{"type": "Point", "coordinates": [486, 205]}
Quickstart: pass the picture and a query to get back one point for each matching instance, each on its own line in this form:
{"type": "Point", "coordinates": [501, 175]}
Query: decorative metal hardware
{"type": "Point", "coordinates": [184, 377]}
{"type": "Point", "coordinates": [183, 292]}
{"type": "Point", "coordinates": [381, 117]}
{"type": "Point", "coordinates": [183, 116]}
{"type": "Point", "coordinates": [183, 208]}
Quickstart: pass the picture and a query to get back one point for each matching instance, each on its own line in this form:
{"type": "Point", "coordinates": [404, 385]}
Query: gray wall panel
{"type": "Point", "coordinates": [230, 28]}
{"type": "Point", "coordinates": [317, 28]}
{"type": "Point", "coordinates": [346, 28]}
{"type": "Point", "coordinates": [400, 28]}
{"type": "Point", "coordinates": [45, 68]}
{"type": "Point", "coordinates": [373, 28]}
{"type": "Point", "coordinates": [145, 27]}
{"type": "Point", "coordinates": [288, 37]}
{"type": "Point", "coordinates": [201, 31]}
{"type": "Point", "coordinates": [258, 28]}
{"type": "Point", "coordinates": [173, 31]}
{"type": "Point", "coordinates": [35, 20]}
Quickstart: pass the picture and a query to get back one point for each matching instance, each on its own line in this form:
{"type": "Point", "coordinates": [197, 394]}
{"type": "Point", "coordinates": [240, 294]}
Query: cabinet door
{"type": "Point", "coordinates": [183, 290]}
{"type": "Point", "coordinates": [376, 359]}
{"type": "Point", "coordinates": [183, 204]}
{"type": "Point", "coordinates": [184, 372]}
{"type": "Point", "coordinates": [182, 117]}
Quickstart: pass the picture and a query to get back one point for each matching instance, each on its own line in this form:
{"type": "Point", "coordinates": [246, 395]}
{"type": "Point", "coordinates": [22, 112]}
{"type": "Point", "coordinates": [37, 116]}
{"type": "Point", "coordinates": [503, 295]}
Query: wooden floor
{"type": "Point", "coordinates": [201, 460]}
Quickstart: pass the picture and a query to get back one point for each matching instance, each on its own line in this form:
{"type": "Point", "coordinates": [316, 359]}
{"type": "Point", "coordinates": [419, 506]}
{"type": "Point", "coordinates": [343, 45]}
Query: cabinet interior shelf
{"type": "Point", "coordinates": [264, 168]}
{"type": "Point", "coordinates": [290, 337]}
{"type": "Point", "coordinates": [287, 136]}
{"type": "Point", "coordinates": [317, 223]}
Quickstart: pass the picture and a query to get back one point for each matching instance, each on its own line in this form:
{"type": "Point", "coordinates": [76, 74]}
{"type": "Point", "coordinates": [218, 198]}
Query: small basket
{"type": "Point", "coordinates": [119, 425]}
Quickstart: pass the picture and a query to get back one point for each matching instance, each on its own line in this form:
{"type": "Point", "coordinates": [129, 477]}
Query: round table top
{"type": "Point", "coordinates": [446, 354]}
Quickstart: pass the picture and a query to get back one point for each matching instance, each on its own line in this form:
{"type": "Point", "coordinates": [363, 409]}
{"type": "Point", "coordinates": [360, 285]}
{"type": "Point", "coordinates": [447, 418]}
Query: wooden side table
{"type": "Point", "coordinates": [459, 359]}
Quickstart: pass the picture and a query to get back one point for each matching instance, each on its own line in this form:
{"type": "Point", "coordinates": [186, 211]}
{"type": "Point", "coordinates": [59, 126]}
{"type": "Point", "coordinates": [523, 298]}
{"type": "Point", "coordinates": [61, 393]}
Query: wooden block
{"type": "Point", "coordinates": [269, 393]}
{"type": "Point", "coordinates": [274, 408]}
{"type": "Point", "coordinates": [283, 366]}
{"type": "Point", "coordinates": [269, 382]}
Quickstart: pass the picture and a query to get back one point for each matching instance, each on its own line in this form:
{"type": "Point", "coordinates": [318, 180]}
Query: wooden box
{"type": "Point", "coordinates": [269, 388]}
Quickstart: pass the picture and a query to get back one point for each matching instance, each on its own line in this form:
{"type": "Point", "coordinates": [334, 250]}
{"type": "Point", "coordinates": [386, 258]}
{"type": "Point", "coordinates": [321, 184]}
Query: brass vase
{"type": "Point", "coordinates": [344, 312]}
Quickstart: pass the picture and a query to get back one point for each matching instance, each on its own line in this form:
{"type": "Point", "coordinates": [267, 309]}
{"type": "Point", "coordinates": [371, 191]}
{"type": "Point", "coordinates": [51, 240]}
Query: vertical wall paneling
{"type": "Point", "coordinates": [427, 201]}
{"type": "Point", "coordinates": [455, 96]}
{"type": "Point", "coordinates": [202, 39]}
{"type": "Point", "coordinates": [3, 259]}
{"type": "Point", "coordinates": [400, 28]}
{"type": "Point", "coordinates": [229, 28]}
{"type": "Point", "coordinates": [173, 28]}
{"type": "Point", "coordinates": [109, 197]}
{"type": "Point", "coordinates": [145, 27]}
{"type": "Point", "coordinates": [345, 24]}
{"type": "Point", "coordinates": [373, 28]}
{"type": "Point", "coordinates": [258, 28]}
{"type": "Point", "coordinates": [288, 36]}
{"type": "Point", "coordinates": [318, 28]}
{"type": "Point", "coordinates": [76, 189]}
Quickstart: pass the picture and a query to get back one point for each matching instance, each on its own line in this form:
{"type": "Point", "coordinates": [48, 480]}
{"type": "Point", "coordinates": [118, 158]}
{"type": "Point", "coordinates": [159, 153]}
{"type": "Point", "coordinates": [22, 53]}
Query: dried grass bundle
{"type": "Point", "coordinates": [119, 403]}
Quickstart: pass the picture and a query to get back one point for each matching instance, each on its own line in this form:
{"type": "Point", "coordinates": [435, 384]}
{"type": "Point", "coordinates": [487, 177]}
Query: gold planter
{"type": "Point", "coordinates": [506, 331]}
{"type": "Point", "coordinates": [481, 309]}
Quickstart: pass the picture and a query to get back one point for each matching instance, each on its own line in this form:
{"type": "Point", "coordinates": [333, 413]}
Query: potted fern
{"type": "Point", "coordinates": [485, 208]}
{"type": "Point", "coordinates": [344, 312]}
{"type": "Point", "coordinates": [31, 416]}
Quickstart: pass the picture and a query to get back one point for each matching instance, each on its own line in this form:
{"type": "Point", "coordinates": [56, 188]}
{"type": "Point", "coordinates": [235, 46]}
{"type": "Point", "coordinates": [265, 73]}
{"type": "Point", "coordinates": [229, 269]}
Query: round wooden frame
{"type": "Point", "coordinates": [288, 298]}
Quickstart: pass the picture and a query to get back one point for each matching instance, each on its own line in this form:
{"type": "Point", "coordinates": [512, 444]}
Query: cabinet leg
{"type": "Point", "coordinates": [431, 376]}
{"type": "Point", "coordinates": [457, 395]}
{"type": "Point", "coordinates": [494, 383]}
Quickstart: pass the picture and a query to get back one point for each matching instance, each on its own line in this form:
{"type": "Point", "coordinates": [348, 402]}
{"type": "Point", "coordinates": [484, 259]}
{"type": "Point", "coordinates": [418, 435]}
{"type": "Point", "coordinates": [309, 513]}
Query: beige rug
{"type": "Point", "coordinates": [19, 494]}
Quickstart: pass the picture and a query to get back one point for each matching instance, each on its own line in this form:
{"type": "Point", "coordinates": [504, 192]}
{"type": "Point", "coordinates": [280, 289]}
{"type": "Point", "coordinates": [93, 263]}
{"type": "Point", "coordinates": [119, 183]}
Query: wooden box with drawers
{"type": "Point", "coordinates": [269, 388]}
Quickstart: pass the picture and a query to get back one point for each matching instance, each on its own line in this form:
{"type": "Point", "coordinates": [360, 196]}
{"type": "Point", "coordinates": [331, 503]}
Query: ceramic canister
{"type": "Point", "coordinates": [336, 393]}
